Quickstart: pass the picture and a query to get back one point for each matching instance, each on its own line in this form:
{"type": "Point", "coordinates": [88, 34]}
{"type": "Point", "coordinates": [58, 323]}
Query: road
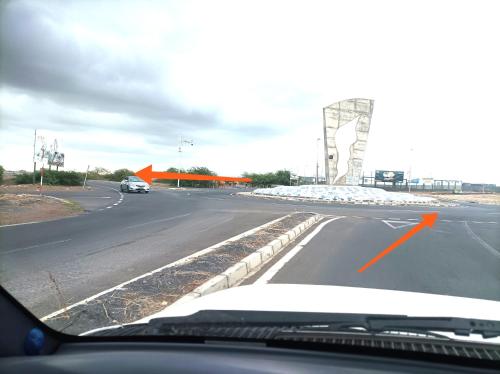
{"type": "Point", "coordinates": [120, 237]}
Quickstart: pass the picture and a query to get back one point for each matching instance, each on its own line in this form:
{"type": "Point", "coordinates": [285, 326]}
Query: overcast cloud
{"type": "Point", "coordinates": [119, 82]}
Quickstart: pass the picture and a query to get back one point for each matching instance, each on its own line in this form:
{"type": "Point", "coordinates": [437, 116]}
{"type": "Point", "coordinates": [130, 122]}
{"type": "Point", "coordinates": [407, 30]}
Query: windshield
{"type": "Point", "coordinates": [324, 157]}
{"type": "Point", "coordinates": [135, 179]}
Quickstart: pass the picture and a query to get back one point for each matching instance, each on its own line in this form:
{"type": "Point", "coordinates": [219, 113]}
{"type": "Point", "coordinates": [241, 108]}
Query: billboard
{"type": "Point", "coordinates": [346, 125]}
{"type": "Point", "coordinates": [389, 176]}
{"type": "Point", "coordinates": [56, 159]}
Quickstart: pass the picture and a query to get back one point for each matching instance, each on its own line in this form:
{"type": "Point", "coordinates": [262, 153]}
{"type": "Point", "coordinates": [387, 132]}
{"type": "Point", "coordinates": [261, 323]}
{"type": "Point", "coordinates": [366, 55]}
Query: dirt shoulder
{"type": "Point", "coordinates": [35, 189]}
{"type": "Point", "coordinates": [479, 198]}
{"type": "Point", "coordinates": [22, 208]}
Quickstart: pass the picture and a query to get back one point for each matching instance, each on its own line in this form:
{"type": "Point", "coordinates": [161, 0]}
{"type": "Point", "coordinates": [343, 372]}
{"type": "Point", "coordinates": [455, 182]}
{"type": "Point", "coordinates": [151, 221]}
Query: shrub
{"type": "Point", "coordinates": [51, 177]}
{"type": "Point", "coordinates": [119, 174]}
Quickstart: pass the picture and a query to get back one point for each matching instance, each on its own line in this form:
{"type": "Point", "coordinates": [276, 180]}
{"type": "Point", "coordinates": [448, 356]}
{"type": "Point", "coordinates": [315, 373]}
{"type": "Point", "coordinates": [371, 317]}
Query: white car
{"type": "Point", "coordinates": [134, 184]}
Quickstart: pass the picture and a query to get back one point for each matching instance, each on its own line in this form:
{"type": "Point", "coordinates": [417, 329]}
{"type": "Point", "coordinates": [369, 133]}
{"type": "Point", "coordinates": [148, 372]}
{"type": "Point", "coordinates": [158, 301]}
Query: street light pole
{"type": "Point", "coordinates": [181, 143]}
{"type": "Point", "coordinates": [34, 159]}
{"type": "Point", "coordinates": [317, 160]}
{"type": "Point", "coordinates": [409, 170]}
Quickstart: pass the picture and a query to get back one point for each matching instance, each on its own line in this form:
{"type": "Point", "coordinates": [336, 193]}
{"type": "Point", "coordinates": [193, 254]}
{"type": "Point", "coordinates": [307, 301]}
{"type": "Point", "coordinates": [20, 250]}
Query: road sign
{"type": "Point", "coordinates": [389, 176]}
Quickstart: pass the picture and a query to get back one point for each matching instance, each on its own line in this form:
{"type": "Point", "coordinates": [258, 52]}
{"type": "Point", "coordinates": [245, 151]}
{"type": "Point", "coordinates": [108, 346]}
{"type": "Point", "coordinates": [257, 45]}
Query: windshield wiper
{"type": "Point", "coordinates": [214, 321]}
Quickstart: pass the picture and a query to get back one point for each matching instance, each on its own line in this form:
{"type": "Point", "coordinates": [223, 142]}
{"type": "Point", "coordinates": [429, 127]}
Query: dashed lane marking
{"type": "Point", "coordinates": [35, 246]}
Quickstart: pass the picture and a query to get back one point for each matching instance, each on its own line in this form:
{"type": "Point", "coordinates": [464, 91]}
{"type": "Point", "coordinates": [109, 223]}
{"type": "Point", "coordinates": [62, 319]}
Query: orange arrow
{"type": "Point", "coordinates": [428, 220]}
{"type": "Point", "coordinates": [147, 174]}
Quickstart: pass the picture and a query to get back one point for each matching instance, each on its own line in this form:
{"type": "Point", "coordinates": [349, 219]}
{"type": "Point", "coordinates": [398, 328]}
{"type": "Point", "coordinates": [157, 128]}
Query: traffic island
{"type": "Point", "coordinates": [220, 266]}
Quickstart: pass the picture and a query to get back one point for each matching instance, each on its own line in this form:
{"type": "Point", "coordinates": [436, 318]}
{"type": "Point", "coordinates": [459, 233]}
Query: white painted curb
{"type": "Point", "coordinates": [249, 264]}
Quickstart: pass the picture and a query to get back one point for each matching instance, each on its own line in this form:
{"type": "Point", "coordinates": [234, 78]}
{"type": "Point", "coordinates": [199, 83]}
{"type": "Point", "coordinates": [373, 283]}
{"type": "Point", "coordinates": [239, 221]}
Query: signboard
{"type": "Point", "coordinates": [389, 176]}
{"type": "Point", "coordinates": [56, 159]}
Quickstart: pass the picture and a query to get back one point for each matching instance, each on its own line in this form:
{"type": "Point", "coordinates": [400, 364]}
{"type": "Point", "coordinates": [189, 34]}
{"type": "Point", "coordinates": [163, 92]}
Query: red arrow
{"type": "Point", "coordinates": [147, 174]}
{"type": "Point", "coordinates": [428, 220]}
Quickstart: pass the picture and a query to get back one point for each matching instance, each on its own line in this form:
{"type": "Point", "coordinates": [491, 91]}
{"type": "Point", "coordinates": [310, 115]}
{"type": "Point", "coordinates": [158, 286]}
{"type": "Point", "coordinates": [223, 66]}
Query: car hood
{"type": "Point", "coordinates": [334, 299]}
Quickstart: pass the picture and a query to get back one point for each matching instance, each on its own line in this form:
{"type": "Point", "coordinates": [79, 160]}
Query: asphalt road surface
{"type": "Point", "coordinates": [122, 236]}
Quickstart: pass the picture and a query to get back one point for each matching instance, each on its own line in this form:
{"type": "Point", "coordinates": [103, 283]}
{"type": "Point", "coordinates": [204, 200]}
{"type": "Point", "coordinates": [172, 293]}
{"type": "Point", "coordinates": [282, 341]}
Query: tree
{"type": "Point", "coordinates": [119, 174]}
{"type": "Point", "coordinates": [281, 177]}
{"type": "Point", "coordinates": [1, 173]}
{"type": "Point", "coordinates": [99, 173]}
{"type": "Point", "coordinates": [190, 183]}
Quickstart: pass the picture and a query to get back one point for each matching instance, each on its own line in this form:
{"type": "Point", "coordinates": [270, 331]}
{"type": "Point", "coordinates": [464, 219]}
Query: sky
{"type": "Point", "coordinates": [118, 83]}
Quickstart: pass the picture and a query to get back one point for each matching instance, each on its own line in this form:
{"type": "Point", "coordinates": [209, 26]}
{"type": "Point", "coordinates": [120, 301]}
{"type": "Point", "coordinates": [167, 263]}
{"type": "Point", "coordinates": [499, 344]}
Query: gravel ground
{"type": "Point", "coordinates": [21, 208]}
{"type": "Point", "coordinates": [153, 293]}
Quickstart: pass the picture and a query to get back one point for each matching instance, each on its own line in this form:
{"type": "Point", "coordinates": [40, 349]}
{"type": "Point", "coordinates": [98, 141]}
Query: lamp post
{"type": "Point", "coordinates": [409, 170]}
{"type": "Point", "coordinates": [317, 160]}
{"type": "Point", "coordinates": [181, 143]}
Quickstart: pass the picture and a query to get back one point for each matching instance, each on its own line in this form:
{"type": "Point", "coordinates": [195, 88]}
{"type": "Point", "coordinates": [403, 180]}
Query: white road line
{"type": "Point", "coordinates": [446, 220]}
{"type": "Point", "coordinates": [19, 224]}
{"type": "Point", "coordinates": [36, 246]}
{"type": "Point", "coordinates": [412, 219]}
{"type": "Point", "coordinates": [158, 220]}
{"type": "Point", "coordinates": [109, 207]}
{"type": "Point", "coordinates": [269, 274]}
{"type": "Point", "coordinates": [178, 262]}
{"type": "Point", "coordinates": [485, 245]}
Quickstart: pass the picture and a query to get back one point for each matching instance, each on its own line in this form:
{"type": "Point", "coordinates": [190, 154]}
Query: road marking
{"type": "Point", "coordinates": [399, 224]}
{"type": "Point", "coordinates": [36, 246]}
{"type": "Point", "coordinates": [273, 270]}
{"type": "Point", "coordinates": [158, 220]}
{"type": "Point", "coordinates": [175, 263]}
{"type": "Point", "coordinates": [485, 245]}
{"type": "Point", "coordinates": [19, 224]}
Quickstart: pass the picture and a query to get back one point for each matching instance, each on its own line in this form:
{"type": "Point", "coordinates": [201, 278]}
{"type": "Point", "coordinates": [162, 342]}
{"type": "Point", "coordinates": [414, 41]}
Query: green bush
{"type": "Point", "coordinates": [119, 174]}
{"type": "Point", "coordinates": [51, 177]}
{"type": "Point", "coordinates": [281, 177]}
{"type": "Point", "coordinates": [1, 173]}
{"type": "Point", "coordinates": [99, 174]}
{"type": "Point", "coordinates": [187, 183]}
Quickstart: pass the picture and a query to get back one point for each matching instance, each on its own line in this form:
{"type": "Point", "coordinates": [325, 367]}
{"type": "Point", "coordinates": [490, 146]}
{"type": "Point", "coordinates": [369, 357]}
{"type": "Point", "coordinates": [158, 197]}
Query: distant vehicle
{"type": "Point", "coordinates": [134, 184]}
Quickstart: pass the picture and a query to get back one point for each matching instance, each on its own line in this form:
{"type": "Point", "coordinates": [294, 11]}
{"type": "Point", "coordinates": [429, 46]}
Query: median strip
{"type": "Point", "coordinates": [152, 292]}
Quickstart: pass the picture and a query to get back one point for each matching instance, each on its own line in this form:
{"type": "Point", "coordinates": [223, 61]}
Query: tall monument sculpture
{"type": "Point", "coordinates": [346, 125]}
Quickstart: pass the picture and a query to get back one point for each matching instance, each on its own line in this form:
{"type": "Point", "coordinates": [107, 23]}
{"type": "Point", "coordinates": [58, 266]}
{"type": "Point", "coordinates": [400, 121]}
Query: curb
{"type": "Point", "coordinates": [181, 261]}
{"type": "Point", "coordinates": [346, 202]}
{"type": "Point", "coordinates": [249, 264]}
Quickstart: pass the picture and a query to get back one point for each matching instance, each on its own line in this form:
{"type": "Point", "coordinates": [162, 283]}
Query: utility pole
{"type": "Point", "coordinates": [34, 159]}
{"type": "Point", "coordinates": [317, 160]}
{"type": "Point", "coordinates": [181, 143]}
{"type": "Point", "coordinates": [85, 180]}
{"type": "Point", "coordinates": [409, 170]}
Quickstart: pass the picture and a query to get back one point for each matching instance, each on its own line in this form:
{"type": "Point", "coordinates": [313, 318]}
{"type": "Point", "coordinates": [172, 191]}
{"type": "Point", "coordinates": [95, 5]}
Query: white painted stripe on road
{"type": "Point", "coordinates": [178, 262]}
{"type": "Point", "coordinates": [19, 224]}
{"type": "Point", "coordinates": [109, 207]}
{"type": "Point", "coordinates": [36, 246]}
{"type": "Point", "coordinates": [485, 245]}
{"type": "Point", "coordinates": [158, 220]}
{"type": "Point", "coordinates": [273, 270]}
